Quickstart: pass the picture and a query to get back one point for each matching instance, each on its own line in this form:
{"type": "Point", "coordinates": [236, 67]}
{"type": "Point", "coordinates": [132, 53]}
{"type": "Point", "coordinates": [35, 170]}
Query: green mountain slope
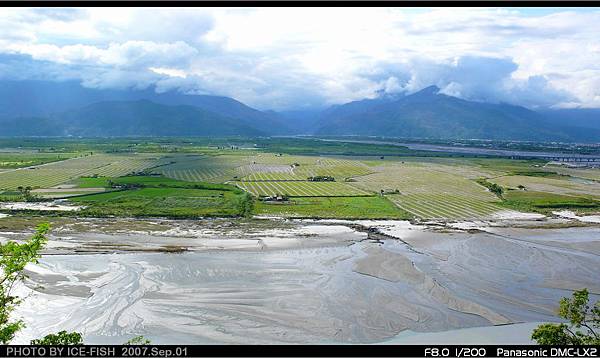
{"type": "Point", "coordinates": [429, 114]}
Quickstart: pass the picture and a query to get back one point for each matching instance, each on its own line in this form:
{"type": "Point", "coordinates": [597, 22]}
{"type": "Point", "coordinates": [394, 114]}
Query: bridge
{"type": "Point", "coordinates": [560, 158]}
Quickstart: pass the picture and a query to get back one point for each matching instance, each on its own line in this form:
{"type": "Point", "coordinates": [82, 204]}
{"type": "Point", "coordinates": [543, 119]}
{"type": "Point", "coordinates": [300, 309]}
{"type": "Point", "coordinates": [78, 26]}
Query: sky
{"type": "Point", "coordinates": [307, 58]}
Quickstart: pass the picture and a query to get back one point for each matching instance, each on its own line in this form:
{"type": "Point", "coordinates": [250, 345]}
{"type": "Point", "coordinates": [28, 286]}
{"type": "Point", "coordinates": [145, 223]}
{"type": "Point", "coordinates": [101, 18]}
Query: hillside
{"type": "Point", "coordinates": [579, 117]}
{"type": "Point", "coordinates": [44, 108]}
{"type": "Point", "coordinates": [429, 114]}
{"type": "Point", "coordinates": [130, 118]}
{"type": "Point", "coordinates": [45, 98]}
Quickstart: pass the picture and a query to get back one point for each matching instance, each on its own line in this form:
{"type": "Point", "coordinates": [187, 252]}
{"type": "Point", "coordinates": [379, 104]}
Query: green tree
{"type": "Point", "coordinates": [583, 327]}
{"type": "Point", "coordinates": [62, 338]}
{"type": "Point", "coordinates": [12, 263]}
{"type": "Point", "coordinates": [137, 341]}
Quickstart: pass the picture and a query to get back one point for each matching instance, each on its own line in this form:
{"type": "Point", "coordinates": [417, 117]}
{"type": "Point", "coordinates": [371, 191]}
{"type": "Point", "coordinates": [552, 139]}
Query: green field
{"type": "Point", "coordinates": [92, 182]}
{"type": "Point", "coordinates": [544, 202]}
{"type": "Point", "coordinates": [435, 186]}
{"type": "Point", "coordinates": [156, 197]}
{"type": "Point", "coordinates": [371, 207]}
{"type": "Point", "coordinates": [23, 160]}
{"type": "Point", "coordinates": [27, 159]}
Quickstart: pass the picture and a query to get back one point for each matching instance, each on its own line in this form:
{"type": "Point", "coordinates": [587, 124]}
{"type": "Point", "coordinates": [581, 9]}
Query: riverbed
{"type": "Point", "coordinates": [307, 282]}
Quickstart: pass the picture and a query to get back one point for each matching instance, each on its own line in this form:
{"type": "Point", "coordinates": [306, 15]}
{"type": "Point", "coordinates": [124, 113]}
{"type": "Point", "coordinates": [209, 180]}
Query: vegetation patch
{"type": "Point", "coordinates": [539, 173]}
{"type": "Point", "coordinates": [493, 187]}
{"type": "Point", "coordinates": [547, 202]}
{"type": "Point", "coordinates": [93, 182]}
{"type": "Point", "coordinates": [373, 207]}
{"type": "Point", "coordinates": [140, 196]}
{"type": "Point", "coordinates": [26, 159]}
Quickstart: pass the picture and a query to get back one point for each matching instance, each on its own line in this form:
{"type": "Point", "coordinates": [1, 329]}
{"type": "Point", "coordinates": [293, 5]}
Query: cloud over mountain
{"type": "Point", "coordinates": [286, 58]}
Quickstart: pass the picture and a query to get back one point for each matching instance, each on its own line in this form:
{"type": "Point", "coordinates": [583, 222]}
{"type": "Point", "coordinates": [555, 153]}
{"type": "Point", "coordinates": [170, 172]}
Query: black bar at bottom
{"type": "Point", "coordinates": [169, 351]}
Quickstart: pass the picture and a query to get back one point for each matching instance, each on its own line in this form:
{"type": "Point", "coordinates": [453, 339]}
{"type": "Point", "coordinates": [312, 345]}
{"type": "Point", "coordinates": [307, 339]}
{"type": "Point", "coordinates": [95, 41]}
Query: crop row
{"type": "Point", "coordinates": [273, 177]}
{"type": "Point", "coordinates": [299, 188]}
{"type": "Point", "coordinates": [195, 167]}
{"type": "Point", "coordinates": [424, 181]}
{"type": "Point", "coordinates": [438, 206]}
{"type": "Point", "coordinates": [207, 174]}
{"type": "Point", "coordinates": [49, 175]}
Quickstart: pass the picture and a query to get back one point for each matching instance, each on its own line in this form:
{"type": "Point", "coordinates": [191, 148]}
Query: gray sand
{"type": "Point", "coordinates": [310, 285]}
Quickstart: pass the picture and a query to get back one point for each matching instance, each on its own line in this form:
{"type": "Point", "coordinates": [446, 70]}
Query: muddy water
{"type": "Point", "coordinates": [350, 290]}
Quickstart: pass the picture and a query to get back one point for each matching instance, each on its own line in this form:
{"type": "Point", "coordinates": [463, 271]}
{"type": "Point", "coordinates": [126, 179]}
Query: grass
{"type": "Point", "coordinates": [92, 182]}
{"type": "Point", "coordinates": [194, 170]}
{"type": "Point", "coordinates": [507, 166]}
{"type": "Point", "coordinates": [539, 173]}
{"type": "Point", "coordinates": [545, 203]}
{"type": "Point", "coordinates": [373, 207]}
{"type": "Point", "coordinates": [162, 182]}
{"type": "Point", "coordinates": [164, 197]}
{"type": "Point", "coordinates": [27, 159]}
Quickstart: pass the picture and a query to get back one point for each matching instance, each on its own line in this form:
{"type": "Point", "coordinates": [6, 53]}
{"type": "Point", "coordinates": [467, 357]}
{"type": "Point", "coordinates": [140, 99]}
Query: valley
{"type": "Point", "coordinates": [415, 176]}
{"type": "Point", "coordinates": [246, 178]}
{"type": "Point", "coordinates": [226, 240]}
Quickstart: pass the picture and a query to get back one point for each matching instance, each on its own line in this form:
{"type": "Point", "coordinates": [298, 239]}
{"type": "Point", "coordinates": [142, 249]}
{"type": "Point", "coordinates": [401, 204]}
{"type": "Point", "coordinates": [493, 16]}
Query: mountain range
{"type": "Point", "coordinates": [430, 114]}
{"type": "Point", "coordinates": [42, 108]}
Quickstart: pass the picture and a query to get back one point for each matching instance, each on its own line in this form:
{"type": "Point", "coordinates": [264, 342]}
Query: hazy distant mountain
{"type": "Point", "coordinates": [301, 121]}
{"type": "Point", "coordinates": [352, 108]}
{"type": "Point", "coordinates": [429, 114]}
{"type": "Point", "coordinates": [45, 98]}
{"type": "Point", "coordinates": [130, 118]}
{"type": "Point", "coordinates": [66, 108]}
{"type": "Point", "coordinates": [578, 117]}
{"type": "Point", "coordinates": [29, 126]}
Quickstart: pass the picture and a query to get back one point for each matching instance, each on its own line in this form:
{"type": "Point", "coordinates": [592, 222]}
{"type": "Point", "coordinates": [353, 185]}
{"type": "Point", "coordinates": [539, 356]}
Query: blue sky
{"type": "Point", "coordinates": [286, 58]}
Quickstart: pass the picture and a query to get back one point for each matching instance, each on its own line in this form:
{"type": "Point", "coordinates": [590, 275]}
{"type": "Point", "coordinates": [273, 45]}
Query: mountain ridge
{"type": "Point", "coordinates": [431, 114]}
{"type": "Point", "coordinates": [47, 108]}
{"type": "Point", "coordinates": [136, 118]}
{"type": "Point", "coordinates": [46, 99]}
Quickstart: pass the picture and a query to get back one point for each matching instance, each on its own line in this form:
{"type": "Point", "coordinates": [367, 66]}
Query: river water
{"type": "Point", "coordinates": [425, 284]}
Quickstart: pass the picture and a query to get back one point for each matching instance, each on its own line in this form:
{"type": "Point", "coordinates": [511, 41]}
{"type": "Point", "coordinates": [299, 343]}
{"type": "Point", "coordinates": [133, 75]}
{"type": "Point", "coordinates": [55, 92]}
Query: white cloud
{"type": "Point", "coordinates": [297, 57]}
{"type": "Point", "coordinates": [171, 72]}
{"type": "Point", "coordinates": [130, 54]}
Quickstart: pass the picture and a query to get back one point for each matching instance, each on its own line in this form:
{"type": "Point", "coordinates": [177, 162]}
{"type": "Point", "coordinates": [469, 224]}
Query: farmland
{"type": "Point", "coordinates": [591, 174]}
{"type": "Point", "coordinates": [198, 167]}
{"type": "Point", "coordinates": [13, 160]}
{"type": "Point", "coordinates": [545, 202]}
{"type": "Point", "coordinates": [155, 196]}
{"type": "Point", "coordinates": [363, 207]}
{"type": "Point", "coordinates": [563, 186]}
{"type": "Point", "coordinates": [49, 175]}
{"type": "Point", "coordinates": [367, 186]}
{"type": "Point", "coordinates": [300, 188]}
{"type": "Point", "coordinates": [431, 191]}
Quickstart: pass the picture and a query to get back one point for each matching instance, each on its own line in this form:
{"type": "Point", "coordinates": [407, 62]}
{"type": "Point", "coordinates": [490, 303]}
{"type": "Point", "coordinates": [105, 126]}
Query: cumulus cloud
{"type": "Point", "coordinates": [286, 58]}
